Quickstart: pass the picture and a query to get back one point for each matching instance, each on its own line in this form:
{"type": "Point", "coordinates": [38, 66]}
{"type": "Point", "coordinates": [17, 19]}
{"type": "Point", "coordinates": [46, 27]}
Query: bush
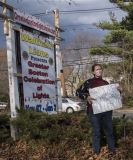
{"type": "Point", "coordinates": [4, 128]}
{"type": "Point", "coordinates": [61, 129]}
{"type": "Point", "coordinates": [130, 104]}
{"type": "Point", "coordinates": [50, 129]}
{"type": "Point", "coordinates": [118, 127]}
{"type": "Point", "coordinates": [3, 98]}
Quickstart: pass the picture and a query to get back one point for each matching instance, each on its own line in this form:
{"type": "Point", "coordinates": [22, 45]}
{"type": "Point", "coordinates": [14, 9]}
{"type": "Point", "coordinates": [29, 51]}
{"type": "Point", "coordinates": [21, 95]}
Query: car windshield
{"type": "Point", "coordinates": [74, 100]}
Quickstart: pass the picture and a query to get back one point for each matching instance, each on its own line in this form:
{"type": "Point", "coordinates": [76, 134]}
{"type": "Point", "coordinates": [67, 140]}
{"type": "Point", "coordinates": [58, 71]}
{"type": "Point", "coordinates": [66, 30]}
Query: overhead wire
{"type": "Point", "coordinates": [75, 49]}
{"type": "Point", "coordinates": [94, 9]}
{"type": "Point", "coordinates": [88, 12]}
{"type": "Point", "coordinates": [79, 11]}
{"type": "Point", "coordinates": [81, 29]}
{"type": "Point", "coordinates": [113, 28]}
{"type": "Point", "coordinates": [77, 60]}
{"type": "Point", "coordinates": [76, 24]}
{"type": "Point", "coordinates": [91, 63]}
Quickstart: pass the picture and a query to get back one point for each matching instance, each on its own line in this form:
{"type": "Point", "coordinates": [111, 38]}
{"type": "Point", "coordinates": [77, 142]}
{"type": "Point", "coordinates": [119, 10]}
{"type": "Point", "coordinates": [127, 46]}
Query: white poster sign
{"type": "Point", "coordinates": [106, 98]}
{"type": "Point", "coordinates": [38, 72]}
{"type": "Point", "coordinates": [33, 22]}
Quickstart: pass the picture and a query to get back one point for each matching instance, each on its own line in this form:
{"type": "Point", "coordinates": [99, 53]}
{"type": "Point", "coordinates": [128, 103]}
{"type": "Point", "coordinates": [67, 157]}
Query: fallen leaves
{"type": "Point", "coordinates": [23, 151]}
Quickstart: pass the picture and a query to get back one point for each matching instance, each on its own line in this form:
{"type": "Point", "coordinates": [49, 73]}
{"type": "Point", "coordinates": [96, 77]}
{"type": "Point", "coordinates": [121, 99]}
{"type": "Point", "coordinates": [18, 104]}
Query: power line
{"type": "Point", "coordinates": [91, 63]}
{"type": "Point", "coordinates": [115, 28]}
{"type": "Point", "coordinates": [91, 24]}
{"type": "Point", "coordinates": [81, 29]}
{"type": "Point", "coordinates": [79, 11]}
{"type": "Point", "coordinates": [76, 25]}
{"type": "Point", "coordinates": [88, 12]}
{"type": "Point", "coordinates": [94, 58]}
{"type": "Point", "coordinates": [90, 9]}
{"type": "Point", "coordinates": [80, 60]}
{"type": "Point", "coordinates": [76, 49]}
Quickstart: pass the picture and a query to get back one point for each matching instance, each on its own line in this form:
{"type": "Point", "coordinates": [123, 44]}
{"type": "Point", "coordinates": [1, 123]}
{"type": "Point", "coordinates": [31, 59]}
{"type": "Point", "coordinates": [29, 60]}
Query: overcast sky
{"type": "Point", "coordinates": [72, 23]}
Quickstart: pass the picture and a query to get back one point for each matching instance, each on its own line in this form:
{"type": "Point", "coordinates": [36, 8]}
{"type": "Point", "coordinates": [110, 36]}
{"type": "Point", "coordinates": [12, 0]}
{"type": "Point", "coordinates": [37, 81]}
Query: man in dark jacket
{"type": "Point", "coordinates": [96, 119]}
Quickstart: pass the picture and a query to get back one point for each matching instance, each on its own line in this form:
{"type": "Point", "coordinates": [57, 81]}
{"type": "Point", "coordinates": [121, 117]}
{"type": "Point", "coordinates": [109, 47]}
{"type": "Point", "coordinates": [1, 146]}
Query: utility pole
{"type": "Point", "coordinates": [6, 24]}
{"type": "Point", "coordinates": [58, 30]}
{"type": "Point", "coordinates": [59, 70]}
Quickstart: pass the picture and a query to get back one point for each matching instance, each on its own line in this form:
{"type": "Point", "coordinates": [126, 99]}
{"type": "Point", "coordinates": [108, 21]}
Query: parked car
{"type": "Point", "coordinates": [3, 105]}
{"type": "Point", "coordinates": [71, 105]}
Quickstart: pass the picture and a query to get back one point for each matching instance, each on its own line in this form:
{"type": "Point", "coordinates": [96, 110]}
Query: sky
{"type": "Point", "coordinates": [72, 23]}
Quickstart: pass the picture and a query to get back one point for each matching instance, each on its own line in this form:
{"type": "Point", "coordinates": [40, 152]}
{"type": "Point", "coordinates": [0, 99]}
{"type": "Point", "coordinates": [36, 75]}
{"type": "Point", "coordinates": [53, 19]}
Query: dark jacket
{"type": "Point", "coordinates": [83, 91]}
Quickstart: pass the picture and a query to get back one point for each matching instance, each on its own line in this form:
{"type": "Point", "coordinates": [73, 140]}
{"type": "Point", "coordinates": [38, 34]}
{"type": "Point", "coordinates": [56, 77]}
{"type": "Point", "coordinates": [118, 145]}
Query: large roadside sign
{"type": "Point", "coordinates": [38, 72]}
{"type": "Point", "coordinates": [33, 22]}
{"type": "Point", "coordinates": [31, 55]}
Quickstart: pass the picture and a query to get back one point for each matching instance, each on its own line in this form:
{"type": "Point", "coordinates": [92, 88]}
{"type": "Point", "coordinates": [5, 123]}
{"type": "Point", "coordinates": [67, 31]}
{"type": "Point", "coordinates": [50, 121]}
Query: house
{"type": "Point", "coordinates": [78, 71]}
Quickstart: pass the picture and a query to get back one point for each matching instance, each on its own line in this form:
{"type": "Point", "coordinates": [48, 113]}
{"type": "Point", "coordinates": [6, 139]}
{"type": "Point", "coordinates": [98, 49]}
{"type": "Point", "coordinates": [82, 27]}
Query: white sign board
{"type": "Point", "coordinates": [106, 98]}
{"type": "Point", "coordinates": [33, 22]}
{"type": "Point", "coordinates": [38, 72]}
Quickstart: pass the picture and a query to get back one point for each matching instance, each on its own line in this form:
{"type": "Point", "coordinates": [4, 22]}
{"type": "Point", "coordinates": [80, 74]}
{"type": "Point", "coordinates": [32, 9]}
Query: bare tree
{"type": "Point", "coordinates": [77, 55]}
{"type": "Point", "coordinates": [69, 74]}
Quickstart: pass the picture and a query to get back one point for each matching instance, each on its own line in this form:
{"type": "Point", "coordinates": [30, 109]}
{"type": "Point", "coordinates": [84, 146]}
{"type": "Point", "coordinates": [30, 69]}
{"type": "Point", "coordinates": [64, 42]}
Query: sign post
{"type": "Point", "coordinates": [6, 24]}
{"type": "Point", "coordinates": [12, 68]}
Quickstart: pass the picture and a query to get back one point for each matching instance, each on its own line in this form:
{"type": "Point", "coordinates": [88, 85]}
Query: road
{"type": "Point", "coordinates": [128, 113]}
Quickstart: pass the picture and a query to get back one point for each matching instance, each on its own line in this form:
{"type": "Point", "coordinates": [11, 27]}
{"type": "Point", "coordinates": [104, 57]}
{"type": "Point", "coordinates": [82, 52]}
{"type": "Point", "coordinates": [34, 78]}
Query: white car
{"type": "Point", "coordinates": [3, 105]}
{"type": "Point", "coordinates": [71, 105]}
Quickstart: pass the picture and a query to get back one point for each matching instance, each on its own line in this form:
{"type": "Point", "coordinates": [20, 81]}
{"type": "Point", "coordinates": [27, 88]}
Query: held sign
{"type": "Point", "coordinates": [106, 98]}
{"type": "Point", "coordinates": [38, 72]}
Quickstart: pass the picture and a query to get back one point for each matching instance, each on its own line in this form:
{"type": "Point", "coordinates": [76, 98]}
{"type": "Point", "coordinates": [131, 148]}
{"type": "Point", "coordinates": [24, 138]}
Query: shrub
{"type": "Point", "coordinates": [3, 98]}
{"type": "Point", "coordinates": [4, 128]}
{"type": "Point", "coordinates": [61, 129]}
{"type": "Point", "coordinates": [50, 129]}
{"type": "Point", "coordinates": [130, 103]}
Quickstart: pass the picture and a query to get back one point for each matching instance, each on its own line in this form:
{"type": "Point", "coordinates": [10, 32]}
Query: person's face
{"type": "Point", "coordinates": [97, 71]}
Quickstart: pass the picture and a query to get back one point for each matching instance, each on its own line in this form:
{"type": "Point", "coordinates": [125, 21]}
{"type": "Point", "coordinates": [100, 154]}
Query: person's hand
{"type": "Point", "coordinates": [119, 88]}
{"type": "Point", "coordinates": [89, 99]}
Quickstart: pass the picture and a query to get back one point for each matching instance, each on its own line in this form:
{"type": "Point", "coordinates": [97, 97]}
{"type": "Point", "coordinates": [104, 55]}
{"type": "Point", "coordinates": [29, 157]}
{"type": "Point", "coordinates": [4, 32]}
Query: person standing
{"type": "Point", "coordinates": [96, 119]}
